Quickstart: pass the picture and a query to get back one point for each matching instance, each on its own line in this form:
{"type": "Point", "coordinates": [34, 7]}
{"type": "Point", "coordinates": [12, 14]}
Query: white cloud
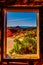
{"type": "Point", "coordinates": [18, 19]}
{"type": "Point", "coordinates": [20, 22]}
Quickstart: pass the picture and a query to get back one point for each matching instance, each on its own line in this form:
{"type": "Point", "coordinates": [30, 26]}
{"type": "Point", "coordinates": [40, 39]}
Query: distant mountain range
{"type": "Point", "coordinates": [20, 27]}
{"type": "Point", "coordinates": [11, 30]}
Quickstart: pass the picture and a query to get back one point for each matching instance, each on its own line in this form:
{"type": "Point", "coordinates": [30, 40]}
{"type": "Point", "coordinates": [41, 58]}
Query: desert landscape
{"type": "Point", "coordinates": [21, 34]}
{"type": "Point", "coordinates": [21, 40]}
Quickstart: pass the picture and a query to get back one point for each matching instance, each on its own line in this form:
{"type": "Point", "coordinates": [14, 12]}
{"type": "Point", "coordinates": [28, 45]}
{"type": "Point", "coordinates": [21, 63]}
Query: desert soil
{"type": "Point", "coordinates": [9, 43]}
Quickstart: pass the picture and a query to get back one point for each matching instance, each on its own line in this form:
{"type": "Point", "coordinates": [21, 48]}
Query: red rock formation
{"type": "Point", "coordinates": [9, 33]}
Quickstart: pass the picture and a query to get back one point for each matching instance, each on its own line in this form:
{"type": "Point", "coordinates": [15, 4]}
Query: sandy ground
{"type": "Point", "coordinates": [10, 43]}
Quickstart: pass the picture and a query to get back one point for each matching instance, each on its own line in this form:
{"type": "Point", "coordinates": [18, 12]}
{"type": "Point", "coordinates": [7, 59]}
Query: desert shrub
{"type": "Point", "coordinates": [29, 34]}
{"type": "Point", "coordinates": [24, 43]}
{"type": "Point", "coordinates": [33, 40]}
{"type": "Point", "coordinates": [28, 43]}
{"type": "Point", "coordinates": [17, 45]}
{"type": "Point", "coordinates": [11, 51]}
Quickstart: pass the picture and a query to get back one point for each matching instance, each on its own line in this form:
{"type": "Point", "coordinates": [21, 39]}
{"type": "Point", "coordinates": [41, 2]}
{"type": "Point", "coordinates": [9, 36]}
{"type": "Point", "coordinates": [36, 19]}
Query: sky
{"type": "Point", "coordinates": [21, 19]}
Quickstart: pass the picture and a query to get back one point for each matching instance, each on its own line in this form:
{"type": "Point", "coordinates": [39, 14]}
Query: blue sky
{"type": "Point", "coordinates": [21, 19]}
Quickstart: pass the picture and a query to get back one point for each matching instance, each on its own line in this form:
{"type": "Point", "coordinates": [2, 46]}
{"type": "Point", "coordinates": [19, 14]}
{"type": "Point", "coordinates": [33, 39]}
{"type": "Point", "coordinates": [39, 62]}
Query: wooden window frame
{"type": "Point", "coordinates": [4, 17]}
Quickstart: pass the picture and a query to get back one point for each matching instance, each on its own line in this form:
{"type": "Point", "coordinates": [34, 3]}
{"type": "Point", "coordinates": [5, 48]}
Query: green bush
{"type": "Point", "coordinates": [28, 42]}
